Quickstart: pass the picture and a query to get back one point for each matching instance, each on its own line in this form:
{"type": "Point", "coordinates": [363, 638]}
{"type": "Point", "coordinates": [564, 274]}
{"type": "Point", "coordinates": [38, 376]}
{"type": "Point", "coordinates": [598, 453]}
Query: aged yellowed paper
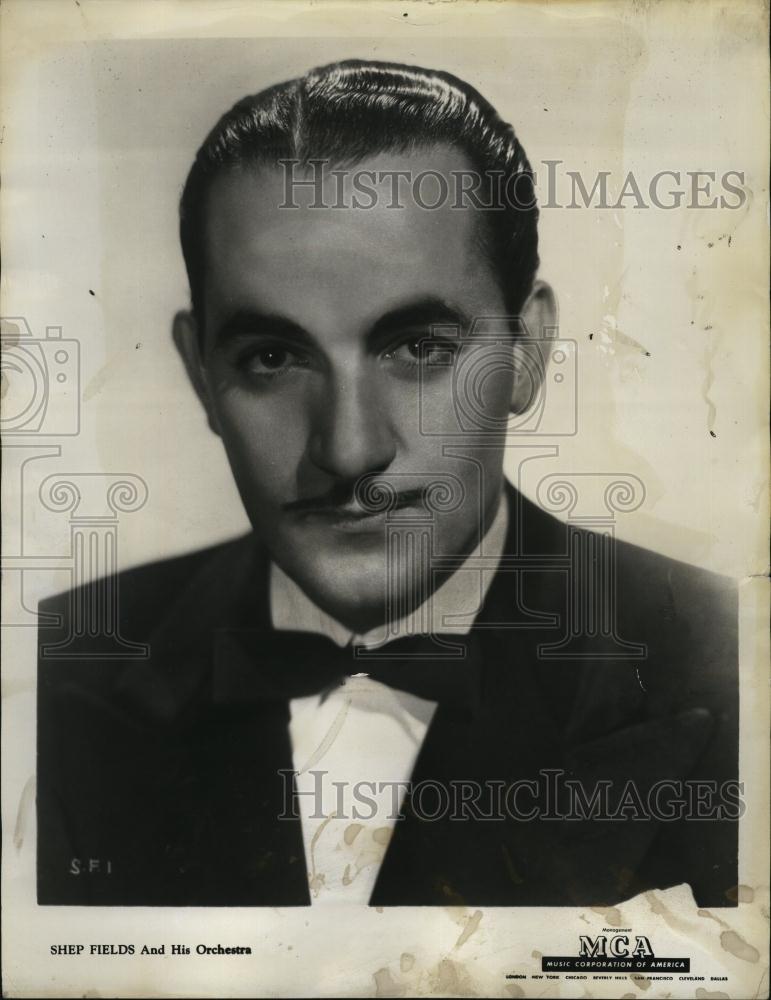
{"type": "Point", "coordinates": [385, 498]}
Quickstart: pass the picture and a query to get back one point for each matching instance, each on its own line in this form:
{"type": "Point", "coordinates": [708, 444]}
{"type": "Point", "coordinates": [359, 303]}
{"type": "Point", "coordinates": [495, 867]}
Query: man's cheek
{"type": "Point", "coordinates": [264, 439]}
{"type": "Point", "coordinates": [263, 482]}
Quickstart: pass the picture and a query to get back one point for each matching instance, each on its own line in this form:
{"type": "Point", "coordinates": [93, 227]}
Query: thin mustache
{"type": "Point", "coordinates": [336, 501]}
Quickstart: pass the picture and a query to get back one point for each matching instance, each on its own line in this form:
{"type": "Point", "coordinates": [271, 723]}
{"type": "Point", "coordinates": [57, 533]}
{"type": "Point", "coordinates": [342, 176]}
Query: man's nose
{"type": "Point", "coordinates": [353, 434]}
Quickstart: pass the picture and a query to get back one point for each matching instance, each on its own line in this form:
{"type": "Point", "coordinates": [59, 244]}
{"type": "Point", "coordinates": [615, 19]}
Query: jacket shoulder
{"type": "Point", "coordinates": [658, 587]}
{"type": "Point", "coordinates": [687, 619]}
{"type": "Point", "coordinates": [139, 598]}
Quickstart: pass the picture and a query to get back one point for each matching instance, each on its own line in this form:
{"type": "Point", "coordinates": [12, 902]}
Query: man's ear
{"type": "Point", "coordinates": [538, 323]}
{"type": "Point", "coordinates": [187, 341]}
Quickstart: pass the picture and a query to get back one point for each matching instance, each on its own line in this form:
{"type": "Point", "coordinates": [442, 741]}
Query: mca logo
{"type": "Point", "coordinates": [615, 946]}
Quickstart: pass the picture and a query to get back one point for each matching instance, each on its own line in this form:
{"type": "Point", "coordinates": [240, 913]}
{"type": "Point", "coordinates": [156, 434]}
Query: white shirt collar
{"type": "Point", "coordinates": [451, 609]}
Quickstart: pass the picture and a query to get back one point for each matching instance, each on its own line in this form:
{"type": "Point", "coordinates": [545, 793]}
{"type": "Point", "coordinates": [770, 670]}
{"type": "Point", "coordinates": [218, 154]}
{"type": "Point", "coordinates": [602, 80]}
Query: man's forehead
{"type": "Point", "coordinates": [258, 246]}
{"type": "Point", "coordinates": [389, 193]}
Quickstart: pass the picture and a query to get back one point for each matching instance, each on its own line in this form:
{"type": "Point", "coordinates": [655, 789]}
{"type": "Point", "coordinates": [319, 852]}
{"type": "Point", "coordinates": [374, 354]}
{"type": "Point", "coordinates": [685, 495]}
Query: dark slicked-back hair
{"type": "Point", "coordinates": [348, 111]}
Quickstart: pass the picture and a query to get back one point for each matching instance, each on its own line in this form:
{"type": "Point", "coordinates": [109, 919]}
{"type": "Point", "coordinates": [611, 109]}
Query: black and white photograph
{"type": "Point", "coordinates": [385, 394]}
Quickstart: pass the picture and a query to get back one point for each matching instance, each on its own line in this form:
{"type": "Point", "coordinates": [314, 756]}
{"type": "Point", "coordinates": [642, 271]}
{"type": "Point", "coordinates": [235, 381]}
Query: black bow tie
{"type": "Point", "coordinates": [253, 665]}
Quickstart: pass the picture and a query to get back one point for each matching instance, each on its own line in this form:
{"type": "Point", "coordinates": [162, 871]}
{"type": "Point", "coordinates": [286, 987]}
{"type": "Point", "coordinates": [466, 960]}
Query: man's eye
{"type": "Point", "coordinates": [273, 360]}
{"type": "Point", "coordinates": [408, 351]}
{"type": "Point", "coordinates": [423, 351]}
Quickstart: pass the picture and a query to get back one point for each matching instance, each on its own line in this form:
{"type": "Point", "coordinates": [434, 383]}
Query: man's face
{"type": "Point", "coordinates": [312, 375]}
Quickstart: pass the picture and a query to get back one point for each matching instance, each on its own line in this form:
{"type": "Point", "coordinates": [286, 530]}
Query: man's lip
{"type": "Point", "coordinates": [343, 515]}
{"type": "Point", "coordinates": [354, 511]}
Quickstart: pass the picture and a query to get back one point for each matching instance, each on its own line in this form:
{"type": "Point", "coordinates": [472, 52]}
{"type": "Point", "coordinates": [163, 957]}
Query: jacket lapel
{"type": "Point", "coordinates": [592, 721]}
{"type": "Point", "coordinates": [461, 857]}
{"type": "Point", "coordinates": [227, 843]}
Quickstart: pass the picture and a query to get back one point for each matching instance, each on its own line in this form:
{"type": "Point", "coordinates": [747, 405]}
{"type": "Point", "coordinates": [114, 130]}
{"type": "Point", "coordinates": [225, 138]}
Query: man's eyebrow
{"type": "Point", "coordinates": [420, 314]}
{"type": "Point", "coordinates": [423, 313]}
{"type": "Point", "coordinates": [252, 322]}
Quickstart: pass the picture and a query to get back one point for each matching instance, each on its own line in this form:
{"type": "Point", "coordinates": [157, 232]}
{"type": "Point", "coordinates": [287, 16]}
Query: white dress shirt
{"type": "Point", "coordinates": [355, 748]}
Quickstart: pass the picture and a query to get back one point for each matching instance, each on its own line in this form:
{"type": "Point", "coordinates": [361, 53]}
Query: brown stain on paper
{"type": "Point", "coordinates": [386, 985]}
{"type": "Point", "coordinates": [10, 332]}
{"type": "Point", "coordinates": [610, 914]}
{"type": "Point", "coordinates": [741, 894]}
{"type": "Point", "coordinates": [452, 978]}
{"type": "Point", "coordinates": [406, 962]}
{"type": "Point", "coordinates": [472, 924]}
{"type": "Point", "coordinates": [23, 813]}
{"type": "Point", "coordinates": [317, 880]}
{"type": "Point", "coordinates": [735, 945]}
{"type": "Point", "coordinates": [352, 831]}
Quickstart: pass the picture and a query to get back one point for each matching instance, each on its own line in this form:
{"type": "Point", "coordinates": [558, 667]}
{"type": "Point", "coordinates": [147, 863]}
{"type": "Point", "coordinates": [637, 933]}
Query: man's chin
{"type": "Point", "coordinates": [346, 578]}
{"type": "Point", "coordinates": [352, 577]}
{"type": "Point", "coordinates": [359, 602]}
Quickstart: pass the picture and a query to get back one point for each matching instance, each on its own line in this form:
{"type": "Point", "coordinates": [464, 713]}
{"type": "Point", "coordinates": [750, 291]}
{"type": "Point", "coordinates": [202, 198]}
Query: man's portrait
{"type": "Point", "coordinates": [408, 682]}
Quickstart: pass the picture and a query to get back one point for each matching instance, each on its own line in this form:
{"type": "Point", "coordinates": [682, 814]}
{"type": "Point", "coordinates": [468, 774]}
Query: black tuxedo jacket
{"type": "Point", "coordinates": [152, 792]}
